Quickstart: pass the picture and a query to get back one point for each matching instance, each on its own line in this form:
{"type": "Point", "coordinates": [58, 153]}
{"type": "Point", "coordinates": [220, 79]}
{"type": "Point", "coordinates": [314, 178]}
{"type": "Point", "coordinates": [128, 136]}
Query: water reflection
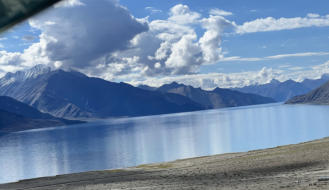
{"type": "Point", "coordinates": [119, 143]}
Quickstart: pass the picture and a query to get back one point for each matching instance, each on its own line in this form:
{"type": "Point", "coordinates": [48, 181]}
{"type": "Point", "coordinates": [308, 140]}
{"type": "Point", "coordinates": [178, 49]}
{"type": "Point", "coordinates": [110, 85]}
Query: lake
{"type": "Point", "coordinates": [124, 142]}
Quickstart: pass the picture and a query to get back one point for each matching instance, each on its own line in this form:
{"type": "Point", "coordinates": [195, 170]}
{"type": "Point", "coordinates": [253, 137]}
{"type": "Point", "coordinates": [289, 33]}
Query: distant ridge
{"type": "Point", "coordinates": [217, 98]}
{"type": "Point", "coordinates": [282, 91]}
{"type": "Point", "coordinates": [146, 87]}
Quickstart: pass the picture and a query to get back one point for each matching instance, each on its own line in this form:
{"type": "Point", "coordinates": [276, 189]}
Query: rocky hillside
{"type": "Point", "coordinates": [17, 116]}
{"type": "Point", "coordinates": [317, 96]}
{"type": "Point", "coordinates": [70, 94]}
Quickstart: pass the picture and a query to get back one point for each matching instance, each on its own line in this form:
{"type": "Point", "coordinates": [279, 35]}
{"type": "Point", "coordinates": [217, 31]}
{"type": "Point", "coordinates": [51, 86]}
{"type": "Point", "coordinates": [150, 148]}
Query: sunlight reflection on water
{"type": "Point", "coordinates": [124, 142]}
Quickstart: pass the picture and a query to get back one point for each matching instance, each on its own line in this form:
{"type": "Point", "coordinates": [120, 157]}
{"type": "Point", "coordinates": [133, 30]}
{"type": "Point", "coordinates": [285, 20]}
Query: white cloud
{"type": "Point", "coordinates": [304, 54]}
{"type": "Point", "coordinates": [213, 80]}
{"type": "Point", "coordinates": [273, 24]}
{"type": "Point", "coordinates": [9, 58]}
{"type": "Point", "coordinates": [313, 15]}
{"type": "Point", "coordinates": [153, 10]}
{"type": "Point", "coordinates": [78, 35]}
{"type": "Point", "coordinates": [184, 55]}
{"type": "Point", "coordinates": [220, 12]}
{"type": "Point", "coordinates": [211, 40]}
{"type": "Point", "coordinates": [112, 44]}
{"type": "Point", "coordinates": [69, 3]}
{"type": "Point", "coordinates": [227, 80]}
{"type": "Point", "coordinates": [181, 14]}
{"type": "Point", "coordinates": [280, 56]}
{"type": "Point", "coordinates": [297, 68]}
{"type": "Point", "coordinates": [10, 62]}
{"type": "Point", "coordinates": [14, 61]}
{"type": "Point", "coordinates": [9, 68]}
{"type": "Point", "coordinates": [70, 37]}
{"type": "Point", "coordinates": [173, 47]}
{"type": "Point", "coordinates": [238, 58]}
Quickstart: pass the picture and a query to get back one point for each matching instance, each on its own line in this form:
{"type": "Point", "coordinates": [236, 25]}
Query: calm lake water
{"type": "Point", "coordinates": [119, 143]}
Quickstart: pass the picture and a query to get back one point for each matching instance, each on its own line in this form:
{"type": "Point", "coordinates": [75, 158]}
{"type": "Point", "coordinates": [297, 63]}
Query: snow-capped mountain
{"type": "Point", "coordinates": [23, 75]}
{"type": "Point", "coordinates": [70, 94]}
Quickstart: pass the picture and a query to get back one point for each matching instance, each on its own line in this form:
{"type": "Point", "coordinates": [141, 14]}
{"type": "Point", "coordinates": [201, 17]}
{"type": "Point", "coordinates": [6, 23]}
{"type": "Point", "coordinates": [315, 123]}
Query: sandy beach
{"type": "Point", "coordinates": [300, 166]}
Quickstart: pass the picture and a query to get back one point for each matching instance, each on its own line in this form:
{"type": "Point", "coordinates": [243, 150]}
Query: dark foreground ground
{"type": "Point", "coordinates": [301, 166]}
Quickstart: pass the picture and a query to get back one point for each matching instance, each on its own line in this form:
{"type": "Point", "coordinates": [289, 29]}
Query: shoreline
{"type": "Point", "coordinates": [81, 121]}
{"type": "Point", "coordinates": [296, 166]}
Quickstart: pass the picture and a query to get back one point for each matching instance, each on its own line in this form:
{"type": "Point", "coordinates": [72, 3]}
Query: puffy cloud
{"type": "Point", "coordinates": [211, 40]}
{"type": "Point", "coordinates": [173, 47]}
{"type": "Point", "coordinates": [181, 14]}
{"type": "Point", "coordinates": [9, 58]}
{"type": "Point", "coordinates": [185, 55]}
{"type": "Point", "coordinates": [112, 44]}
{"type": "Point", "coordinates": [273, 24]}
{"type": "Point", "coordinates": [76, 34]}
{"type": "Point", "coordinates": [10, 62]}
{"type": "Point", "coordinates": [14, 61]}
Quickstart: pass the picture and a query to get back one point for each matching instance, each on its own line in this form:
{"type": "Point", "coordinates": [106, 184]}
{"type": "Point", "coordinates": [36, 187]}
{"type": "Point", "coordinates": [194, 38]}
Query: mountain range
{"type": "Point", "coordinates": [41, 96]}
{"type": "Point", "coordinates": [282, 91]}
{"type": "Point", "coordinates": [70, 94]}
{"type": "Point", "coordinates": [317, 96]}
{"type": "Point", "coordinates": [217, 98]}
{"type": "Point", "coordinates": [17, 116]}
{"type": "Point", "coordinates": [73, 95]}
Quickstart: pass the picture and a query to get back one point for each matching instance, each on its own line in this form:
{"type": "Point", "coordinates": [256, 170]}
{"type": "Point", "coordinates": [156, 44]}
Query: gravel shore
{"type": "Point", "coordinates": [301, 166]}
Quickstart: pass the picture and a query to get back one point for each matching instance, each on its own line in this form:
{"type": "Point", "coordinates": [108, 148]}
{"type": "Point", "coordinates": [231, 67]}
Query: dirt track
{"type": "Point", "coordinates": [302, 166]}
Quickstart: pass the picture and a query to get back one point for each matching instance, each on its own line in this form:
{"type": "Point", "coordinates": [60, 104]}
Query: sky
{"type": "Point", "coordinates": [204, 43]}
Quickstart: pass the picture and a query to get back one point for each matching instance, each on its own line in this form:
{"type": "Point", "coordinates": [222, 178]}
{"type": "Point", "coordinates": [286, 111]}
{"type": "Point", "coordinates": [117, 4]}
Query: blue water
{"type": "Point", "coordinates": [119, 143]}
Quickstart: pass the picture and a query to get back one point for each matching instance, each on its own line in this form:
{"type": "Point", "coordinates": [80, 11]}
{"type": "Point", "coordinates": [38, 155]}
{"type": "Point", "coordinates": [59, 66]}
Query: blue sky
{"type": "Point", "coordinates": [213, 43]}
{"type": "Point", "coordinates": [313, 39]}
